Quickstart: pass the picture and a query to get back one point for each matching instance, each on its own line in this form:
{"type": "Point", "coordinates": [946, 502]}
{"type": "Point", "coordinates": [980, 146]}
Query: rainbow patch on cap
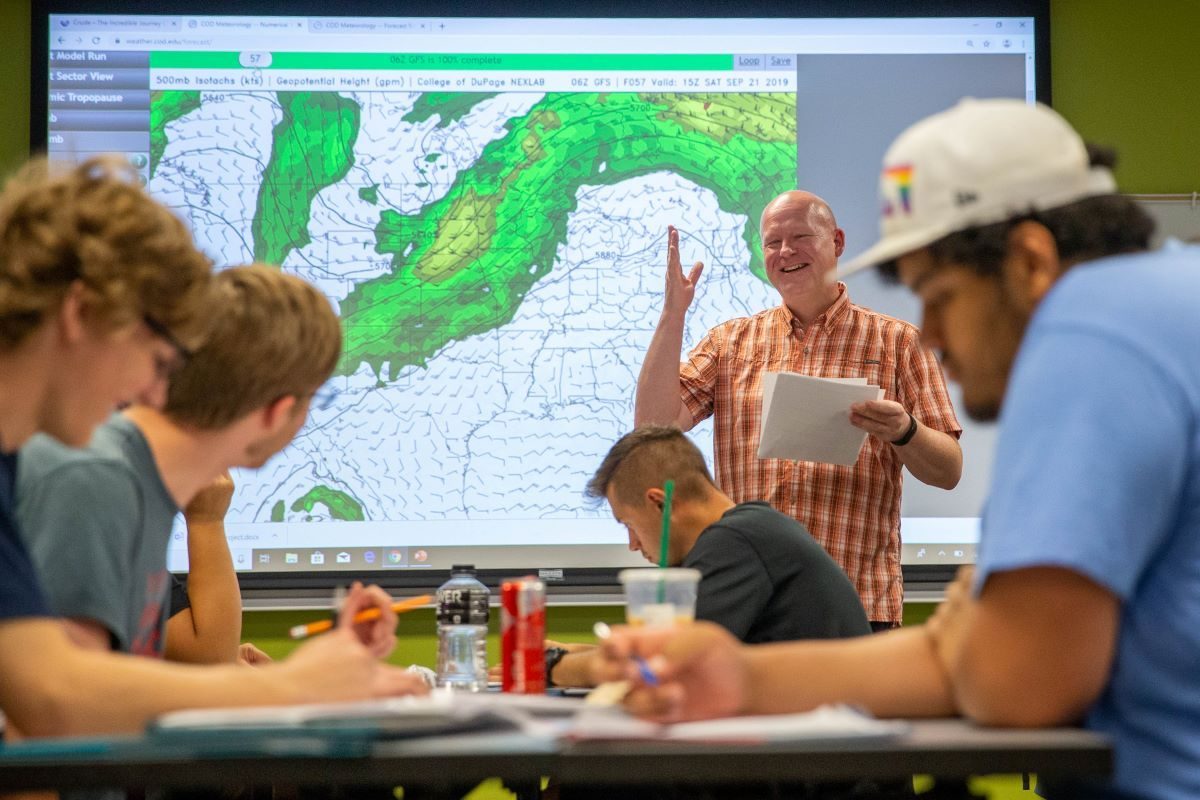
{"type": "Point", "coordinates": [897, 183]}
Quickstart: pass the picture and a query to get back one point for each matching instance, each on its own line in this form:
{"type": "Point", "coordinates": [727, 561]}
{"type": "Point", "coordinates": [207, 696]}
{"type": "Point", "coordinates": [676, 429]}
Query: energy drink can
{"type": "Point", "coordinates": [523, 636]}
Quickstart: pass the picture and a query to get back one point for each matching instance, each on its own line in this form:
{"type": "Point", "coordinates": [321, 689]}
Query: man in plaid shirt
{"type": "Point", "coordinates": [854, 512]}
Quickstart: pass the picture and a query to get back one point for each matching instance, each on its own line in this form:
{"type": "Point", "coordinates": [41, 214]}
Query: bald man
{"type": "Point", "coordinates": [854, 512]}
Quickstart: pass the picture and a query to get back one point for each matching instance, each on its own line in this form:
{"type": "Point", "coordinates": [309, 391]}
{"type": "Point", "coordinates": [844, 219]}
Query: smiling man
{"type": "Point", "coordinates": [853, 512]}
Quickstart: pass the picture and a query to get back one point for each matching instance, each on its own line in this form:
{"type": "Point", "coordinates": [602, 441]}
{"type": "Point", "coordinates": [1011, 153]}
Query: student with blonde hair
{"type": "Point", "coordinates": [239, 399]}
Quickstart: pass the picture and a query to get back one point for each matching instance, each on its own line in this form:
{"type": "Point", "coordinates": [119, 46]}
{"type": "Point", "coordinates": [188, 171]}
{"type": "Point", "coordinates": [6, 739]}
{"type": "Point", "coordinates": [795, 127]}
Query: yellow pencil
{"type": "Point", "coordinates": [301, 631]}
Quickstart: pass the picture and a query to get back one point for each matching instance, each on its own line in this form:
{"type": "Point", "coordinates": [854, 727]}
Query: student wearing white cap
{"type": "Point", "coordinates": [1084, 606]}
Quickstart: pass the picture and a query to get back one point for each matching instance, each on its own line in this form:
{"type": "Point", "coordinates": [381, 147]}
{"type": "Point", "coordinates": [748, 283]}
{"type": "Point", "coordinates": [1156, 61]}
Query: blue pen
{"type": "Point", "coordinates": [647, 675]}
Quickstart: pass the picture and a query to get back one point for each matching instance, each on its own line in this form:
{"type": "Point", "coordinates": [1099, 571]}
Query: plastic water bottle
{"type": "Point", "coordinates": [462, 620]}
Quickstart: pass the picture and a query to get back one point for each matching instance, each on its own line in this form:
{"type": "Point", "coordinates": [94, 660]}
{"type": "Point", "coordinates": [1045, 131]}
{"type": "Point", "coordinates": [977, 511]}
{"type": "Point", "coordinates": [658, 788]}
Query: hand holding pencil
{"type": "Point", "coordinates": [374, 624]}
{"type": "Point", "coordinates": [345, 663]}
{"type": "Point", "coordinates": [370, 612]}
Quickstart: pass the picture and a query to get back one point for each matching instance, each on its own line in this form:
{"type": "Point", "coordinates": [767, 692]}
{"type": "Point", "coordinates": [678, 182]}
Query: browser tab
{"type": "Point", "coordinates": [245, 24]}
{"type": "Point", "coordinates": [343, 25]}
{"type": "Point", "coordinates": [129, 22]}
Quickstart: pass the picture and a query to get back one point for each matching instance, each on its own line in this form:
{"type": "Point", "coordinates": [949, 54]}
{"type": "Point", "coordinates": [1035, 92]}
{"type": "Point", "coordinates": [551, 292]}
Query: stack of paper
{"type": "Point", "coordinates": [396, 717]}
{"type": "Point", "coordinates": [808, 419]}
{"type": "Point", "coordinates": [441, 712]}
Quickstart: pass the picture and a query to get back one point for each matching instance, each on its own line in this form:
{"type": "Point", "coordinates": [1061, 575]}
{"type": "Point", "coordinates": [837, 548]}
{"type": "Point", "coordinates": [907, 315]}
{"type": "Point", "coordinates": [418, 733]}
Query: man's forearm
{"type": "Point", "coordinates": [657, 401]}
{"type": "Point", "coordinates": [215, 618]}
{"type": "Point", "coordinates": [52, 688]}
{"type": "Point", "coordinates": [933, 457]}
{"type": "Point", "coordinates": [575, 668]}
{"type": "Point", "coordinates": [895, 674]}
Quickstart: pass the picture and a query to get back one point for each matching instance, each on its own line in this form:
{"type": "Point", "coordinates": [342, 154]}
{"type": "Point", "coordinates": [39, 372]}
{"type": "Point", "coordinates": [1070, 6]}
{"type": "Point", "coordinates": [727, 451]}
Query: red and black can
{"type": "Point", "coordinates": [523, 635]}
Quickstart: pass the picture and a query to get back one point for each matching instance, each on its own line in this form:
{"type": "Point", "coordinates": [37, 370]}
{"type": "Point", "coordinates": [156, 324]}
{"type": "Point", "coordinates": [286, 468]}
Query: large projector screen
{"type": "Point", "coordinates": [485, 200]}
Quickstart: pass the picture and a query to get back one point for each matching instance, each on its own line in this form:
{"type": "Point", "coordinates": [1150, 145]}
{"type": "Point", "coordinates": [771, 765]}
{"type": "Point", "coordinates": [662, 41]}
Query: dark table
{"type": "Point", "coordinates": [942, 748]}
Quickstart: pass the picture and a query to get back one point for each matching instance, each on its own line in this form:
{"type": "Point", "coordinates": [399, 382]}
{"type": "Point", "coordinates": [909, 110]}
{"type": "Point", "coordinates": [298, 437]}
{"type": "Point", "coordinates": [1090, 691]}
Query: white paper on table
{"type": "Point", "coordinates": [827, 723]}
{"type": "Point", "coordinates": [808, 419]}
{"type": "Point", "coordinates": [423, 708]}
{"type": "Point", "coordinates": [824, 723]}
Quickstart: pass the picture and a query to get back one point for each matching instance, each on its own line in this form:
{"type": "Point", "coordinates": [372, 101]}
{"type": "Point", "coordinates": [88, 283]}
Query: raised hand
{"type": "Point", "coordinates": [681, 289]}
{"type": "Point", "coordinates": [212, 502]}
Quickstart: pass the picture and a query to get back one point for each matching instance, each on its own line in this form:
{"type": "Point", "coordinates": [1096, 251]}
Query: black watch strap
{"type": "Point", "coordinates": [553, 656]}
{"type": "Point", "coordinates": [908, 434]}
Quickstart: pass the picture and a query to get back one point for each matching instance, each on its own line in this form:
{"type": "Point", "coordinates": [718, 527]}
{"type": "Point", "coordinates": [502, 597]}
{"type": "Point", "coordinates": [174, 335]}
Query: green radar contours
{"type": "Point", "coordinates": [464, 264]}
{"type": "Point", "coordinates": [448, 106]}
{"type": "Point", "coordinates": [312, 148]}
{"type": "Point", "coordinates": [369, 194]}
{"type": "Point", "coordinates": [341, 505]}
{"type": "Point", "coordinates": [166, 107]}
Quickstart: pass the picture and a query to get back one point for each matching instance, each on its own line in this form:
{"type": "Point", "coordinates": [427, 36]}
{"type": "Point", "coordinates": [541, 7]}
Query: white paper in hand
{"type": "Point", "coordinates": [808, 419]}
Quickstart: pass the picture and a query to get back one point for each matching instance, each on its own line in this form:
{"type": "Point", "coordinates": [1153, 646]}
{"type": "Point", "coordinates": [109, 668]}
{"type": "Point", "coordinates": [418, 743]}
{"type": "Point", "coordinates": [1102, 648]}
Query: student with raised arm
{"type": "Point", "coordinates": [854, 513]}
{"type": "Point", "coordinates": [1084, 606]}
{"type": "Point", "coordinates": [238, 400]}
{"type": "Point", "coordinates": [102, 294]}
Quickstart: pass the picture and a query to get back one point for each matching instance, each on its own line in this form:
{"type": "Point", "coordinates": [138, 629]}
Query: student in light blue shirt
{"type": "Point", "coordinates": [1108, 492]}
{"type": "Point", "coordinates": [1084, 607]}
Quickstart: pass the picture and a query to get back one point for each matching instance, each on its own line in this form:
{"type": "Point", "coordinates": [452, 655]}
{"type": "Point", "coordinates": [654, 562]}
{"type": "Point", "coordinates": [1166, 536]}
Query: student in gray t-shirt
{"type": "Point", "coordinates": [97, 521]}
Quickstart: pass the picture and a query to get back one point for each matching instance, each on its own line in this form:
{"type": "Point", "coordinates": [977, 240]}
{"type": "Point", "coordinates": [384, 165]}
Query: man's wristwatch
{"type": "Point", "coordinates": [908, 434]}
{"type": "Point", "coordinates": [553, 656]}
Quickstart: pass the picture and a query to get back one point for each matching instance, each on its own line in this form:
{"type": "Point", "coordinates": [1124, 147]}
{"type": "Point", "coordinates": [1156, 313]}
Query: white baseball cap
{"type": "Point", "coordinates": [980, 162]}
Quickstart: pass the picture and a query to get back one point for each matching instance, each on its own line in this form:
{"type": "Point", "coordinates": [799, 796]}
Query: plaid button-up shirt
{"type": "Point", "coordinates": [854, 512]}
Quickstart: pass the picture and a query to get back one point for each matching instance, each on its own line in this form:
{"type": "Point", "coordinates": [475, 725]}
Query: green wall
{"type": "Point", "coordinates": [417, 629]}
{"type": "Point", "coordinates": [1122, 73]}
{"type": "Point", "coordinates": [14, 99]}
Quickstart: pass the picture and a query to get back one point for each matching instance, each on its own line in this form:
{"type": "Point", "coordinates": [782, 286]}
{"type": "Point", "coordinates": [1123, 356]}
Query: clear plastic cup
{"type": "Point", "coordinates": [657, 597]}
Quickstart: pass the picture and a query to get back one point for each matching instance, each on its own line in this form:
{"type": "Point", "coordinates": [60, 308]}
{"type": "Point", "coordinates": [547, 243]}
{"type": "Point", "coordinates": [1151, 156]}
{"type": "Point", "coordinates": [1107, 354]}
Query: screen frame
{"type": "Point", "coordinates": [598, 579]}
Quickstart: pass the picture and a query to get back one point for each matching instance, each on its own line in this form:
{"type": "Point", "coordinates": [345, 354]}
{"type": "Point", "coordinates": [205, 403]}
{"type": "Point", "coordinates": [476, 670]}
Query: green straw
{"type": "Point", "coordinates": [665, 541]}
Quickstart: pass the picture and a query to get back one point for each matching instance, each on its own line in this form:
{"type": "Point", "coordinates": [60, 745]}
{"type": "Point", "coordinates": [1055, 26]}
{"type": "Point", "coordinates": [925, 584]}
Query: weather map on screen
{"type": "Point", "coordinates": [489, 223]}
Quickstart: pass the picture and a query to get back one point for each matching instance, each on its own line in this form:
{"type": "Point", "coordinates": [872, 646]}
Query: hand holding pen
{"type": "Point", "coordinates": [644, 673]}
{"type": "Point", "coordinates": [699, 671]}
